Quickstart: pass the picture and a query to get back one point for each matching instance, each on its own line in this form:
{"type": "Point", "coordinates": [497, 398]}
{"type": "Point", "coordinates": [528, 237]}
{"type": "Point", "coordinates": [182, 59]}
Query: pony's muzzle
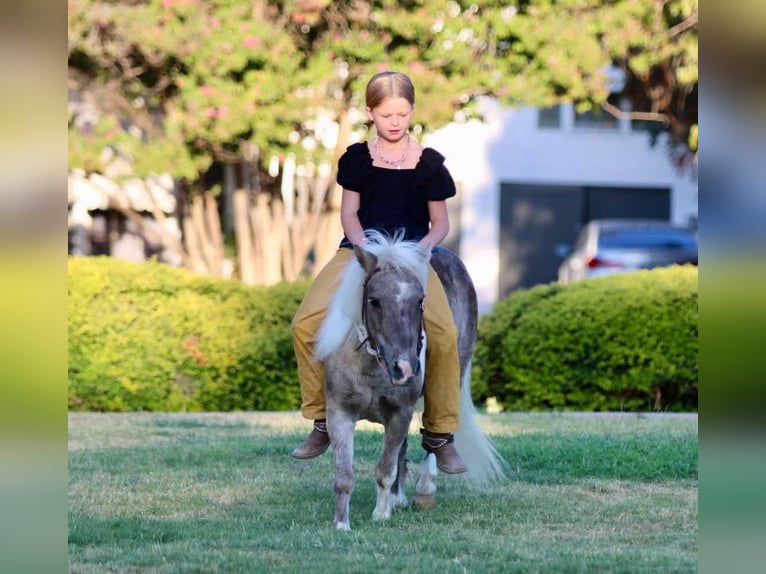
{"type": "Point", "coordinates": [402, 371]}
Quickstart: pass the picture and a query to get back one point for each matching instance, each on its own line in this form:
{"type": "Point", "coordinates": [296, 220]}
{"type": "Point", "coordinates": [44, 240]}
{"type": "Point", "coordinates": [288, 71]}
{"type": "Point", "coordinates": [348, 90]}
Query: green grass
{"type": "Point", "coordinates": [220, 493]}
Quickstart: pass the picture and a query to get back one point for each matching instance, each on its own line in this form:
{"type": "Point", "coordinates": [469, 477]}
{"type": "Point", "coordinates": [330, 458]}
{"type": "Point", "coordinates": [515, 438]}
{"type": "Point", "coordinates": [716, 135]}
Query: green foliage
{"type": "Point", "coordinates": [217, 75]}
{"type": "Point", "coordinates": [624, 342]}
{"type": "Point", "coordinates": [152, 337]}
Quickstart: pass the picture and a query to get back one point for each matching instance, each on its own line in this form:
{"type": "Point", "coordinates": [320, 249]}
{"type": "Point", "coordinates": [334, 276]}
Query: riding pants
{"type": "Point", "coordinates": [441, 410]}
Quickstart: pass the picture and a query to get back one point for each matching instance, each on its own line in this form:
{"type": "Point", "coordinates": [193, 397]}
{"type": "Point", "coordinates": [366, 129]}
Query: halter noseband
{"type": "Point", "coordinates": [369, 340]}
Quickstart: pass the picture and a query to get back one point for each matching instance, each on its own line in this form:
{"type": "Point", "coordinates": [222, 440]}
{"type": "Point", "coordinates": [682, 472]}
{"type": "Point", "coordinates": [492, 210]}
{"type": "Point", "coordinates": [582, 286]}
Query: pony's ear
{"type": "Point", "coordinates": [367, 259]}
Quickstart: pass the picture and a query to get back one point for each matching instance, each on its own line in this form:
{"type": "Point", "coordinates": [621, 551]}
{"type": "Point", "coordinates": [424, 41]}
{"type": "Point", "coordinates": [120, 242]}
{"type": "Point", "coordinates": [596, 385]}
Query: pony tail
{"type": "Point", "coordinates": [484, 462]}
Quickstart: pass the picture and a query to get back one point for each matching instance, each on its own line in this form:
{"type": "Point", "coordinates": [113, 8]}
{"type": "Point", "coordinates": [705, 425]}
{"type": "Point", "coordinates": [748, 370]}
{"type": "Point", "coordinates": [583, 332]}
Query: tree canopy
{"type": "Point", "coordinates": [276, 86]}
{"type": "Point", "coordinates": [185, 82]}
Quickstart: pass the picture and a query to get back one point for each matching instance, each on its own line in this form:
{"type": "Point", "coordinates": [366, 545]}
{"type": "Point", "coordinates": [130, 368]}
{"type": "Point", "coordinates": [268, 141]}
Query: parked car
{"type": "Point", "coordinates": [607, 246]}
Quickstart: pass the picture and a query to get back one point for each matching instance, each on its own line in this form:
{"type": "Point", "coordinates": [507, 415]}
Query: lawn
{"type": "Point", "coordinates": [212, 492]}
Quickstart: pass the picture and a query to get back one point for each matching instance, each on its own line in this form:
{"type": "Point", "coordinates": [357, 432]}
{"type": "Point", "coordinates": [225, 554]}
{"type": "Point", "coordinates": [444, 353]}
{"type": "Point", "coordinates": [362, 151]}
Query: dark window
{"type": "Point", "coordinates": [645, 125]}
{"type": "Point", "coordinates": [549, 117]}
{"type": "Point", "coordinates": [597, 117]}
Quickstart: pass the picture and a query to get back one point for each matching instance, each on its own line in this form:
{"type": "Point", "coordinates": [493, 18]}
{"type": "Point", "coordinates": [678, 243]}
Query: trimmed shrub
{"type": "Point", "coordinates": [624, 342]}
{"type": "Point", "coordinates": [152, 337]}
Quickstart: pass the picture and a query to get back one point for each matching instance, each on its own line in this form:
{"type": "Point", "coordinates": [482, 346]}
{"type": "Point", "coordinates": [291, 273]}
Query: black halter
{"type": "Point", "coordinates": [368, 339]}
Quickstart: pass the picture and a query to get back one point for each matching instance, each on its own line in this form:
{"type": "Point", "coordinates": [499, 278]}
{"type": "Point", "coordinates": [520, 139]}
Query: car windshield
{"type": "Point", "coordinates": [646, 238]}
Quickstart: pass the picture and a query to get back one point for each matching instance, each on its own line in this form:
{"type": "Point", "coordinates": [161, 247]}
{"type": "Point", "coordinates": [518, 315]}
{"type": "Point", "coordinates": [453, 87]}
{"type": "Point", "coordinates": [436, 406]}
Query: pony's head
{"type": "Point", "coordinates": [382, 291]}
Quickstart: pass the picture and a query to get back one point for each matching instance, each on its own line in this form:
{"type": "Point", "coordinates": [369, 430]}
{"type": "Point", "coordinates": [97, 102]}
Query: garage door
{"type": "Point", "coordinates": [536, 219]}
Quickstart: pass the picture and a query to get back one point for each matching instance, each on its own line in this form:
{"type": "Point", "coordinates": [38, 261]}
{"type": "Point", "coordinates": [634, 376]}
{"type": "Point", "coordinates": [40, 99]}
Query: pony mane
{"type": "Point", "coordinates": [345, 310]}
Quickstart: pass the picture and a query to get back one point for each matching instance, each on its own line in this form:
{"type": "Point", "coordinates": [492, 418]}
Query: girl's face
{"type": "Point", "coordinates": [391, 118]}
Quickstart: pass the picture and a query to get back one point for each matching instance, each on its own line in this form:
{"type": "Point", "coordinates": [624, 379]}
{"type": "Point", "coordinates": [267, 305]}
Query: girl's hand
{"type": "Point", "coordinates": [426, 246]}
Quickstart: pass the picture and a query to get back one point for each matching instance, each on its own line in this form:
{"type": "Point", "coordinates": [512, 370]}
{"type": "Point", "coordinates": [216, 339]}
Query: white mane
{"type": "Point", "coordinates": [345, 310]}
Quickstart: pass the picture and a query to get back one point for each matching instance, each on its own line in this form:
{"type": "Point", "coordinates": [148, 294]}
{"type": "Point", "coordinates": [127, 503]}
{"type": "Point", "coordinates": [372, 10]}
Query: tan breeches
{"type": "Point", "coordinates": [442, 387]}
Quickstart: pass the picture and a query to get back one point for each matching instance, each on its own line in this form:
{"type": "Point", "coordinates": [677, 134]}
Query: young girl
{"type": "Point", "coordinates": [389, 184]}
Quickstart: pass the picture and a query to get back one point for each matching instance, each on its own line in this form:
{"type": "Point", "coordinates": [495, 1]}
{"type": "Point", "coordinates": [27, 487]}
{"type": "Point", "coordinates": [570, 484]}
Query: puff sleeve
{"type": "Point", "coordinates": [354, 166]}
{"type": "Point", "coordinates": [433, 176]}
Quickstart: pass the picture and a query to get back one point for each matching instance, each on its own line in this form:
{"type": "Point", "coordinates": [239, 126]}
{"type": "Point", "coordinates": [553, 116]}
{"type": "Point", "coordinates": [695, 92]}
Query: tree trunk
{"type": "Point", "coordinates": [329, 234]}
{"type": "Point", "coordinates": [275, 235]}
{"type": "Point", "coordinates": [274, 250]}
{"type": "Point", "coordinates": [265, 219]}
{"type": "Point", "coordinates": [329, 230]}
{"type": "Point", "coordinates": [299, 236]}
{"type": "Point", "coordinates": [208, 234]}
{"type": "Point", "coordinates": [213, 233]}
{"type": "Point", "coordinates": [196, 260]}
{"type": "Point", "coordinates": [203, 239]}
{"type": "Point", "coordinates": [246, 256]}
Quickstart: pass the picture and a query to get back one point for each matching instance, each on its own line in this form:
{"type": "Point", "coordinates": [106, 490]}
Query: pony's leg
{"type": "Point", "coordinates": [387, 468]}
{"type": "Point", "coordinates": [425, 489]}
{"type": "Point", "coordinates": [341, 430]}
{"type": "Point", "coordinates": [397, 489]}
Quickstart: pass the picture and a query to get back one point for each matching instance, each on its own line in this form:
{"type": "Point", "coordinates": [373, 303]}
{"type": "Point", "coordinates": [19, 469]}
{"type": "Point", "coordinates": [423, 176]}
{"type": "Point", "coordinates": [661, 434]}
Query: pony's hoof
{"type": "Point", "coordinates": [425, 501]}
{"type": "Point", "coordinates": [379, 516]}
{"type": "Point", "coordinates": [343, 526]}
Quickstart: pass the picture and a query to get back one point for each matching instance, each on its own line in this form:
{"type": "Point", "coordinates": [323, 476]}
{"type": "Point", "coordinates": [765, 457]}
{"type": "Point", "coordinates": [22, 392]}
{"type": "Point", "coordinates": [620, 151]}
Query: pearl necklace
{"type": "Point", "coordinates": [397, 162]}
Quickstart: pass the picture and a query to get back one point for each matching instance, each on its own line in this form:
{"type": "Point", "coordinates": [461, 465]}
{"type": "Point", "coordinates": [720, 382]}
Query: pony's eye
{"type": "Point", "coordinates": [374, 303]}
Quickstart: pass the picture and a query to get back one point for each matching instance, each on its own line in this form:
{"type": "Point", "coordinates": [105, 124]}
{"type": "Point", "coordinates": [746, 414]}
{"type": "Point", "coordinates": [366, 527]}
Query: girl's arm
{"type": "Point", "coordinates": [349, 206]}
{"type": "Point", "coordinates": [437, 211]}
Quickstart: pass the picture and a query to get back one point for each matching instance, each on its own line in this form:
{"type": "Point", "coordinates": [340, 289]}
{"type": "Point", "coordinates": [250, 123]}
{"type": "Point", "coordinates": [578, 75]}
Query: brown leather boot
{"type": "Point", "coordinates": [315, 444]}
{"type": "Point", "coordinates": [447, 458]}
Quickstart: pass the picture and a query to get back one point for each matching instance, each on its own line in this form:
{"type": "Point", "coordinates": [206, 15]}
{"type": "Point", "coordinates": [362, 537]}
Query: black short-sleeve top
{"type": "Point", "coordinates": [394, 199]}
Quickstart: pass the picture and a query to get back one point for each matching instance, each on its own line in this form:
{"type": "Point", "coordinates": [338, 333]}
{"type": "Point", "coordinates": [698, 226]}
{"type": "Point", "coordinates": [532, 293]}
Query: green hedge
{"type": "Point", "coordinates": [152, 337]}
{"type": "Point", "coordinates": [625, 342]}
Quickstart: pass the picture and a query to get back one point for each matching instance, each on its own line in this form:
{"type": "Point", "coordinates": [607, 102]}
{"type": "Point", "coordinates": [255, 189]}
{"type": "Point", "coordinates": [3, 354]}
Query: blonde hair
{"type": "Point", "coordinates": [386, 85]}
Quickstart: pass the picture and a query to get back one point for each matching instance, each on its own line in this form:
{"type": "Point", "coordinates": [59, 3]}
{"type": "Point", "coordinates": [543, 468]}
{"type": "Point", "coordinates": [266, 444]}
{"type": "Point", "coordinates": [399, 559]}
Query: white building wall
{"type": "Point", "coordinates": [509, 147]}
